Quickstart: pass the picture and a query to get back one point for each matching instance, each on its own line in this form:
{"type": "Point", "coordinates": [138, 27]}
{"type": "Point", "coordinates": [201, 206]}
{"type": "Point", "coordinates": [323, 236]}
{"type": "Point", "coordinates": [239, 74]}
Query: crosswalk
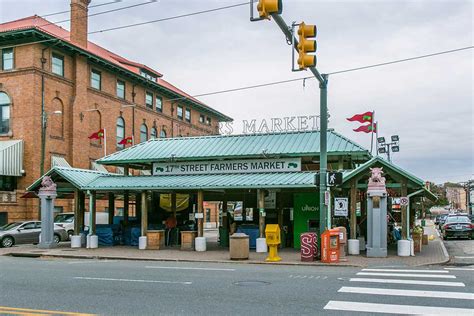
{"type": "Point", "coordinates": [404, 291]}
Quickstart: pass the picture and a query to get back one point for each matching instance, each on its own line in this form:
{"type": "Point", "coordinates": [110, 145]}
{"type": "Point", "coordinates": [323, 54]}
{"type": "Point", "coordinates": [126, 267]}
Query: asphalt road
{"type": "Point", "coordinates": [153, 288]}
{"type": "Point", "coordinates": [460, 251]}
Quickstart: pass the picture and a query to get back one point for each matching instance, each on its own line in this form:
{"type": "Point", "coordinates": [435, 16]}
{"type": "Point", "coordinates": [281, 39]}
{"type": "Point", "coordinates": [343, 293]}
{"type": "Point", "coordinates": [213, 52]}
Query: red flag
{"type": "Point", "coordinates": [367, 128]}
{"type": "Point", "coordinates": [126, 140]}
{"type": "Point", "coordinates": [97, 135]}
{"type": "Point", "coordinates": [362, 118]}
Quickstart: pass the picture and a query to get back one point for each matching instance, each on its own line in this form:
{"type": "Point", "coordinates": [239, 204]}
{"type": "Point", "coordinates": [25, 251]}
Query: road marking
{"type": "Point", "coordinates": [413, 275]}
{"type": "Point", "coordinates": [189, 268]}
{"type": "Point", "coordinates": [29, 311]}
{"type": "Point", "coordinates": [437, 294]}
{"type": "Point", "coordinates": [394, 308]}
{"type": "Point", "coordinates": [93, 261]}
{"type": "Point", "coordinates": [405, 270]}
{"type": "Point", "coordinates": [464, 257]}
{"type": "Point", "coordinates": [461, 269]}
{"type": "Point", "coordinates": [416, 282]}
{"type": "Point", "coordinates": [132, 280]}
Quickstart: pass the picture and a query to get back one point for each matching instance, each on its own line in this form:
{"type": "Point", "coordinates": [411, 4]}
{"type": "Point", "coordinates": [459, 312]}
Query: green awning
{"type": "Point", "coordinates": [209, 182]}
{"type": "Point", "coordinates": [292, 144]}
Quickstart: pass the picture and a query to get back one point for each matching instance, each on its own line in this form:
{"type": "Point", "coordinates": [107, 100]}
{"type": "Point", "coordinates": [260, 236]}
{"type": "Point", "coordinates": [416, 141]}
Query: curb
{"type": "Point", "coordinates": [30, 255]}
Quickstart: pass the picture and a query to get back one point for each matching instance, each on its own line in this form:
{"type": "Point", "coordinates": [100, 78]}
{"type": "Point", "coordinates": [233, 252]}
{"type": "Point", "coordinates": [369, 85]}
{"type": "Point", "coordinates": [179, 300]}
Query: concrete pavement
{"type": "Point", "coordinates": [433, 253]}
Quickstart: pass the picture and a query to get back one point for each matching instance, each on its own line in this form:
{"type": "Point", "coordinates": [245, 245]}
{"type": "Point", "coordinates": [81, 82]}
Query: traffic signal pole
{"type": "Point", "coordinates": [323, 161]}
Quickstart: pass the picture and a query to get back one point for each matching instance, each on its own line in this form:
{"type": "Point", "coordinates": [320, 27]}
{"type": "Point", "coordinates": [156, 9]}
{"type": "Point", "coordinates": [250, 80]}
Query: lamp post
{"type": "Point", "coordinates": [384, 148]}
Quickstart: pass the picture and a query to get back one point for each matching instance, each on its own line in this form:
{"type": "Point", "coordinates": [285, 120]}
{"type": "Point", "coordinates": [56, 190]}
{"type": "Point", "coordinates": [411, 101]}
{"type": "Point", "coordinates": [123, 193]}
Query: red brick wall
{"type": "Point", "coordinates": [67, 134]}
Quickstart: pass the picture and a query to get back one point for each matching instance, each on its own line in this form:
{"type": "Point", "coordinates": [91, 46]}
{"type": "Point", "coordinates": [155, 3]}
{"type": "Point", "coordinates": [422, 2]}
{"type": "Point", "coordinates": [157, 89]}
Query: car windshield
{"type": "Point", "coordinates": [64, 218]}
{"type": "Point", "coordinates": [458, 219]}
{"type": "Point", "coordinates": [10, 226]}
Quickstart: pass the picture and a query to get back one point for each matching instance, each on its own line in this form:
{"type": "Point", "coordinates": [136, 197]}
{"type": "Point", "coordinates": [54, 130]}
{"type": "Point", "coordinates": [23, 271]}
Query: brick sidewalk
{"type": "Point", "coordinates": [433, 253]}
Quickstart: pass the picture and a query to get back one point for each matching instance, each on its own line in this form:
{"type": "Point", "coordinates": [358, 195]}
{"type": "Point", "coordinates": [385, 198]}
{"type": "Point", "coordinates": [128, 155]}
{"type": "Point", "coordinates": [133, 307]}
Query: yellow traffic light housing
{"type": "Point", "coordinates": [306, 46]}
{"type": "Point", "coordinates": [267, 7]}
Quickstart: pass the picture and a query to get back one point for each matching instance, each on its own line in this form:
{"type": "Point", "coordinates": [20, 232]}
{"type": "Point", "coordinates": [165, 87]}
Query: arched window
{"type": "Point", "coordinates": [153, 133]}
{"type": "Point", "coordinates": [120, 132]}
{"type": "Point", "coordinates": [56, 121]}
{"type": "Point", "coordinates": [4, 113]}
{"type": "Point", "coordinates": [143, 133]}
{"type": "Point", "coordinates": [162, 134]}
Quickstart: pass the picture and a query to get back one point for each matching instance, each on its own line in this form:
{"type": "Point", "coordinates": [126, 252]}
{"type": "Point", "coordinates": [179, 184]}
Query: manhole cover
{"type": "Point", "coordinates": [252, 283]}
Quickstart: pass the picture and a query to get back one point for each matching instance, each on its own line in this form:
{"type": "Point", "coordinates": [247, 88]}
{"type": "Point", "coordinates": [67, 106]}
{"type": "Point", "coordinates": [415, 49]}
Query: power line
{"type": "Point", "coordinates": [92, 6]}
{"type": "Point", "coordinates": [169, 18]}
{"type": "Point", "coordinates": [401, 60]}
{"type": "Point", "coordinates": [107, 11]}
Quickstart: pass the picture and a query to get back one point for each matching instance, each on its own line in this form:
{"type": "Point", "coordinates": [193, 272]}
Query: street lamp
{"type": "Point", "coordinates": [385, 148]}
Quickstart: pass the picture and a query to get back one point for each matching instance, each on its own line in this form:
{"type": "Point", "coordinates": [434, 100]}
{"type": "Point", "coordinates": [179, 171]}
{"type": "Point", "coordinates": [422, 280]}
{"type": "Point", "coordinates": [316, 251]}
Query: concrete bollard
{"type": "Point", "coordinates": [200, 243]}
{"type": "Point", "coordinates": [403, 248]}
{"type": "Point", "coordinates": [261, 245]}
{"type": "Point", "coordinates": [142, 242]}
{"type": "Point", "coordinates": [76, 241]}
{"type": "Point", "coordinates": [92, 241]}
{"type": "Point", "coordinates": [354, 247]}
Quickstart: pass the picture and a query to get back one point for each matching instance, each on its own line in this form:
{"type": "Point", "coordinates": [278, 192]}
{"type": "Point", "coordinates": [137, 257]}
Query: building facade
{"type": "Point", "coordinates": [57, 89]}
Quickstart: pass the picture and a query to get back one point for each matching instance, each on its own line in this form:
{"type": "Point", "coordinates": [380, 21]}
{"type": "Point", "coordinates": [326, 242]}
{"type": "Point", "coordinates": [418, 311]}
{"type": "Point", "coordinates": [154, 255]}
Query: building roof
{"type": "Point", "coordinates": [291, 144]}
{"type": "Point", "coordinates": [44, 26]}
{"type": "Point", "coordinates": [197, 182]}
{"type": "Point", "coordinates": [79, 178]}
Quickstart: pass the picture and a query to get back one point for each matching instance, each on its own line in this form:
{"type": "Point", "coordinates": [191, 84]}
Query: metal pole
{"type": "Point", "coordinates": [323, 216]}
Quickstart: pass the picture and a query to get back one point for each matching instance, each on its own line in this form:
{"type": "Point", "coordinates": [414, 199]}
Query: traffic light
{"type": "Point", "coordinates": [266, 7]}
{"type": "Point", "coordinates": [306, 46]}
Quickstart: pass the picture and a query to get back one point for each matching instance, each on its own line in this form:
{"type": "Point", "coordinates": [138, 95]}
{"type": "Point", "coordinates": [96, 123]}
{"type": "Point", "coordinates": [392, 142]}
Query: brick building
{"type": "Point", "coordinates": [57, 88]}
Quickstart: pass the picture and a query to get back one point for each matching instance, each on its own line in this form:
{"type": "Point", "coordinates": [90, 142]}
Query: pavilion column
{"type": "Point", "coordinates": [111, 208]}
{"type": "Point", "coordinates": [173, 204]}
{"type": "Point", "coordinates": [144, 212]}
{"type": "Point", "coordinates": [353, 210]}
{"type": "Point", "coordinates": [92, 212]}
{"type": "Point", "coordinates": [405, 228]}
{"type": "Point", "coordinates": [138, 206]}
{"type": "Point", "coordinates": [77, 213]}
{"type": "Point", "coordinates": [261, 212]}
{"type": "Point", "coordinates": [201, 212]}
{"type": "Point", "coordinates": [82, 210]}
{"type": "Point", "coordinates": [126, 202]}
{"type": "Point", "coordinates": [225, 219]}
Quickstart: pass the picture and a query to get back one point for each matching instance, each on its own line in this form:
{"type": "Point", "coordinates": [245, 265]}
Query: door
{"type": "Point", "coordinates": [25, 233]}
{"type": "Point", "coordinates": [3, 218]}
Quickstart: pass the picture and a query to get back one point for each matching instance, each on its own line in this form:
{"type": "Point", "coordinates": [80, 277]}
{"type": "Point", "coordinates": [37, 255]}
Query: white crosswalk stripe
{"type": "Point", "coordinates": [437, 288]}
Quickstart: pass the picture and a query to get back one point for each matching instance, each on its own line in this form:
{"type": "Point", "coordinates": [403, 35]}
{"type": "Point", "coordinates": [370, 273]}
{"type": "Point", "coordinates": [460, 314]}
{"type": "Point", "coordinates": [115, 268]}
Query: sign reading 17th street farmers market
{"type": "Point", "coordinates": [228, 166]}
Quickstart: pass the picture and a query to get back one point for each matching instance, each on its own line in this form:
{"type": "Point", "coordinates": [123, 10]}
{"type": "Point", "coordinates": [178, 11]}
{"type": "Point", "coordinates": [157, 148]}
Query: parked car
{"type": "Point", "coordinates": [457, 226]}
{"type": "Point", "coordinates": [441, 221]}
{"type": "Point", "coordinates": [26, 233]}
{"type": "Point", "coordinates": [66, 221]}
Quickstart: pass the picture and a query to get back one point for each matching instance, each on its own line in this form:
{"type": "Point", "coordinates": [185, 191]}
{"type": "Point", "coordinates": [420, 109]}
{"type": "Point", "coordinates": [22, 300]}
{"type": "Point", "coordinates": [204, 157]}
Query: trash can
{"type": "Point", "coordinates": [423, 223]}
{"type": "Point", "coordinates": [239, 246]}
{"type": "Point", "coordinates": [223, 237]}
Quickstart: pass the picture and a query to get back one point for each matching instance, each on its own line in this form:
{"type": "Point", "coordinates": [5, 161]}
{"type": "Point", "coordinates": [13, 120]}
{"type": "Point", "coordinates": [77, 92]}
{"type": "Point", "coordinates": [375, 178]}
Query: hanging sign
{"type": "Point", "coordinates": [341, 206]}
{"type": "Point", "coordinates": [228, 166]}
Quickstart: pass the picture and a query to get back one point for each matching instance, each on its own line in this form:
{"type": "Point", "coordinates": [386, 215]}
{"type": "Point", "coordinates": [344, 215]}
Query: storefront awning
{"type": "Point", "coordinates": [209, 182]}
{"type": "Point", "coordinates": [11, 158]}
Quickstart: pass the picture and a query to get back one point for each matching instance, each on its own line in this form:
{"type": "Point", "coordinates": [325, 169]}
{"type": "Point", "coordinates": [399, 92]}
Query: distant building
{"type": "Point", "coordinates": [57, 82]}
{"type": "Point", "coordinates": [457, 197]}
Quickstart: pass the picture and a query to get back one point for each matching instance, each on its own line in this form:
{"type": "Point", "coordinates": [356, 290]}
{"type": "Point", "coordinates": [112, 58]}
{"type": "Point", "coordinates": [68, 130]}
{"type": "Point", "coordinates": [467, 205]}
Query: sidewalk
{"type": "Point", "coordinates": [433, 253]}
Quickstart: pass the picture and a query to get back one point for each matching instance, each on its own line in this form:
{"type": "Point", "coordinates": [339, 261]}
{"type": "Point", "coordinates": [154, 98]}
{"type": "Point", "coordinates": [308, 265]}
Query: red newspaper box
{"type": "Point", "coordinates": [330, 246]}
{"type": "Point", "coordinates": [309, 246]}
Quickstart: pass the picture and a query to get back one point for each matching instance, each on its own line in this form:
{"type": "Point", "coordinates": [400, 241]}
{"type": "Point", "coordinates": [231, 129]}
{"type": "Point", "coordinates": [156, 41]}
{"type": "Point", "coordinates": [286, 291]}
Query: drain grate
{"type": "Point", "coordinates": [252, 283]}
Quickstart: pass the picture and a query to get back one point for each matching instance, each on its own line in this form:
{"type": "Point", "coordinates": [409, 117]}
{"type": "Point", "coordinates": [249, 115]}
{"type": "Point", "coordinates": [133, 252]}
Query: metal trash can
{"type": "Point", "coordinates": [239, 246]}
{"type": "Point", "coordinates": [223, 237]}
{"type": "Point", "coordinates": [423, 223]}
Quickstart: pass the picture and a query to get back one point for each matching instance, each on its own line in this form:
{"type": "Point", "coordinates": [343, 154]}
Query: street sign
{"type": "Point", "coordinates": [334, 178]}
{"type": "Point", "coordinates": [404, 201]}
{"type": "Point", "coordinates": [341, 206]}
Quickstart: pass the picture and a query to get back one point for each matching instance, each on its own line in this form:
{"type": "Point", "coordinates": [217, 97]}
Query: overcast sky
{"type": "Point", "coordinates": [427, 102]}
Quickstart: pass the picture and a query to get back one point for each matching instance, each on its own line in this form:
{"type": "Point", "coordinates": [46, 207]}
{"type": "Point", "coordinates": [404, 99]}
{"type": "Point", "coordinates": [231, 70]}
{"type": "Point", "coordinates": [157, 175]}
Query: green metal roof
{"type": "Point", "coordinates": [196, 182]}
{"type": "Point", "coordinates": [79, 178]}
{"type": "Point", "coordinates": [384, 163]}
{"type": "Point", "coordinates": [292, 144]}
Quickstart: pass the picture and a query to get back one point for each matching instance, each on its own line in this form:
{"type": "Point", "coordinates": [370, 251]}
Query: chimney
{"type": "Point", "coordinates": [79, 22]}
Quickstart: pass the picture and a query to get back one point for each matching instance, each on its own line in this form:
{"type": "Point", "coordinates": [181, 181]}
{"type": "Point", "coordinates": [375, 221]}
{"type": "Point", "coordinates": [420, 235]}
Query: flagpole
{"type": "Point", "coordinates": [105, 142]}
{"type": "Point", "coordinates": [377, 136]}
{"type": "Point", "coordinates": [372, 132]}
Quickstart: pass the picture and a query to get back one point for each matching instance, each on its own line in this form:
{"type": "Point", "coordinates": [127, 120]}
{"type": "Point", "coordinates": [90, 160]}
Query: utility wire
{"type": "Point", "coordinates": [92, 6]}
{"type": "Point", "coordinates": [400, 60]}
{"type": "Point", "coordinates": [169, 18]}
